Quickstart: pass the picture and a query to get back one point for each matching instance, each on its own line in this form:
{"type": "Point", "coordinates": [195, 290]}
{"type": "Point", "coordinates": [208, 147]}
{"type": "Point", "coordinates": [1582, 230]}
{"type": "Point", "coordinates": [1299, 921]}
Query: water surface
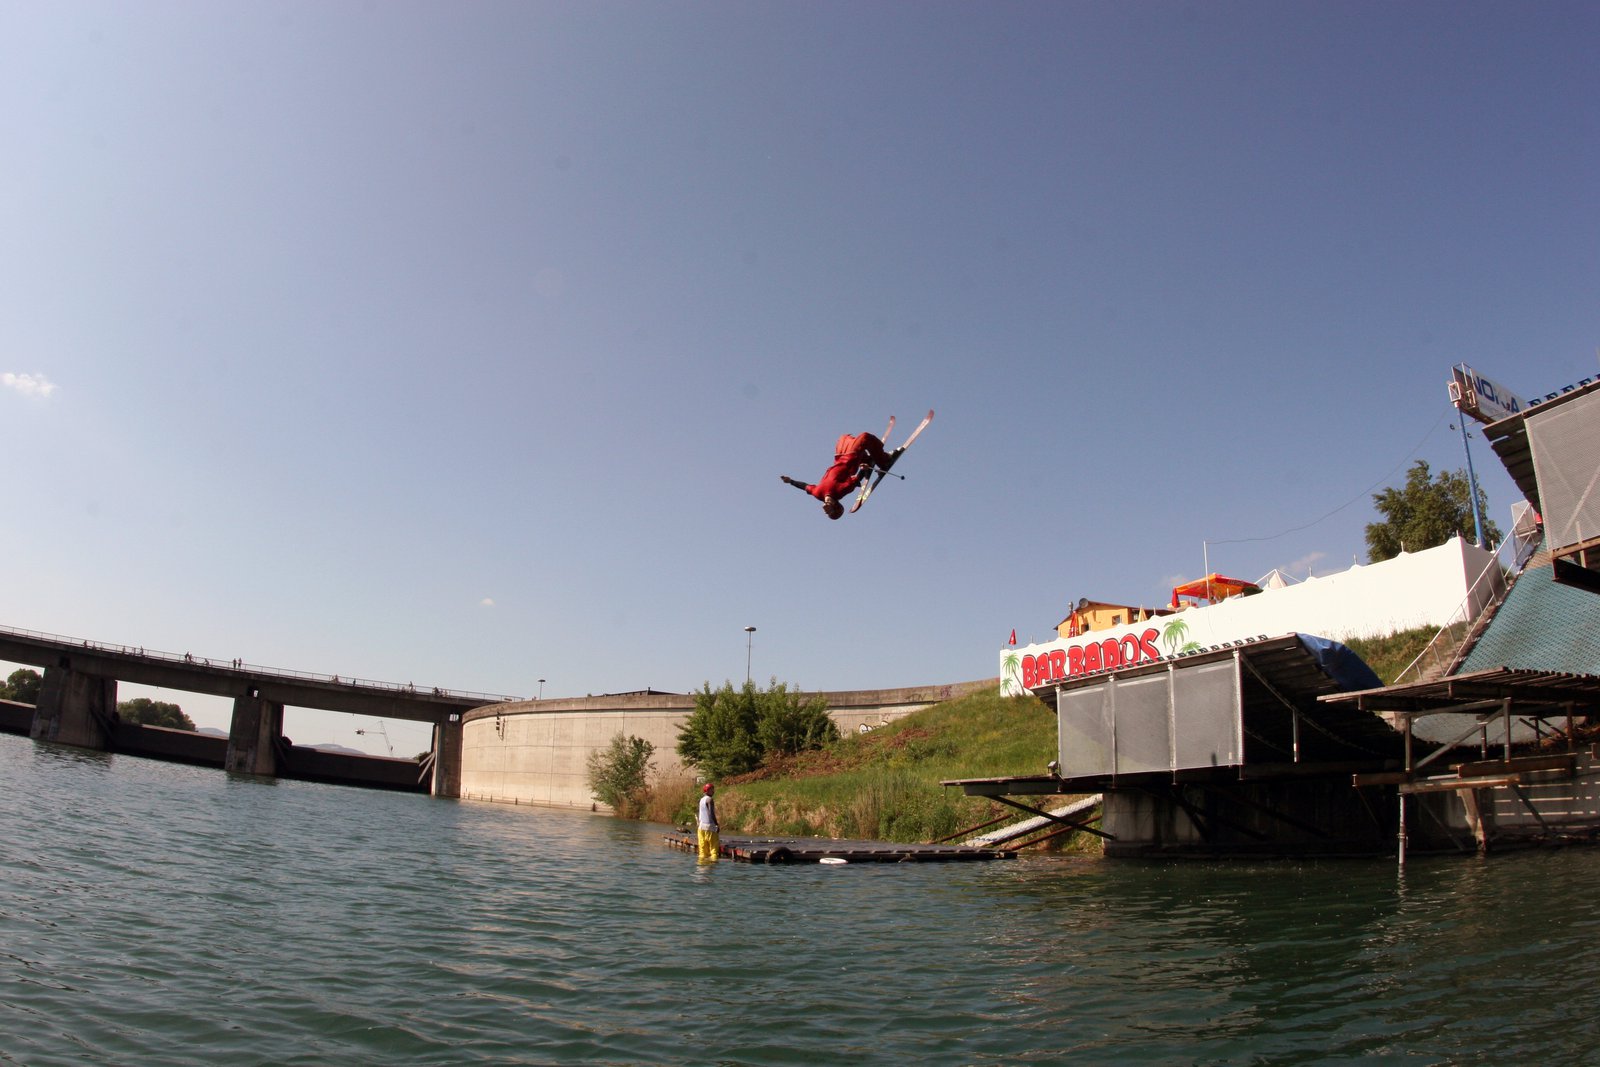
{"type": "Point", "coordinates": [157, 914]}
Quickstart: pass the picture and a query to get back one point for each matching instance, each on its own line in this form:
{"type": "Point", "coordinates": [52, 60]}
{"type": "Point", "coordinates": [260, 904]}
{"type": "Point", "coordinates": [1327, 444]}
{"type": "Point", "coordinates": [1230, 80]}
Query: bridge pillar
{"type": "Point", "coordinates": [256, 724]}
{"type": "Point", "coordinates": [447, 758]}
{"type": "Point", "coordinates": [74, 708]}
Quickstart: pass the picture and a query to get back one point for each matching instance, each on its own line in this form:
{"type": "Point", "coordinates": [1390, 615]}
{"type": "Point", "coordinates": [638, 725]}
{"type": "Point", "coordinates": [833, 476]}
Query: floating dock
{"type": "Point", "coordinates": [828, 850]}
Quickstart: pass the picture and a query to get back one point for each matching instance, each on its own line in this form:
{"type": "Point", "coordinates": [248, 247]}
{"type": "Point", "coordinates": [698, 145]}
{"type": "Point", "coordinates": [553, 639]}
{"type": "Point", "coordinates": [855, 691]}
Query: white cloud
{"type": "Point", "coordinates": [486, 602]}
{"type": "Point", "coordinates": [1302, 566]}
{"type": "Point", "coordinates": [28, 384]}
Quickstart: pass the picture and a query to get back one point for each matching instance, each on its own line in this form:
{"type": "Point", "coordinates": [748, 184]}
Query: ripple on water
{"type": "Point", "coordinates": [157, 914]}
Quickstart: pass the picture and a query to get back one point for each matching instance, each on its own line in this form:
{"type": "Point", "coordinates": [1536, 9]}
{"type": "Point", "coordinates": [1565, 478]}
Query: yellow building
{"type": "Point", "coordinates": [1091, 615]}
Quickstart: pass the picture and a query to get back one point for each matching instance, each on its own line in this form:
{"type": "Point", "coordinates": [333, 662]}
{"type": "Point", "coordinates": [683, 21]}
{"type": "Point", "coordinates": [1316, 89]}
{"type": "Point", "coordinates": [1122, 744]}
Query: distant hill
{"type": "Point", "coordinates": [339, 750]}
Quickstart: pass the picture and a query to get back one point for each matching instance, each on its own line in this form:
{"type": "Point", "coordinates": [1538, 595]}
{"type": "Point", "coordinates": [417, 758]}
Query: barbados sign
{"type": "Point", "coordinates": [1022, 669]}
{"type": "Point", "coordinates": [1431, 588]}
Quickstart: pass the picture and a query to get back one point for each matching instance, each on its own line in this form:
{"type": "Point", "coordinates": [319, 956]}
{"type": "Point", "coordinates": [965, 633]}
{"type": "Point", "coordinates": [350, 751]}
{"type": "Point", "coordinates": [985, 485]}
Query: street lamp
{"type": "Point", "coordinates": [1472, 484]}
{"type": "Point", "coordinates": [749, 632]}
{"type": "Point", "coordinates": [541, 688]}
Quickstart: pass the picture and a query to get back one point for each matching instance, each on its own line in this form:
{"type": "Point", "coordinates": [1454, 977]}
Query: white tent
{"type": "Point", "coordinates": [1274, 579]}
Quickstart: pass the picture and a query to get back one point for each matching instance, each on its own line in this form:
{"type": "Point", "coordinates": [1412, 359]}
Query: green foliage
{"type": "Point", "coordinates": [1388, 656]}
{"type": "Point", "coordinates": [719, 736]}
{"type": "Point", "coordinates": [732, 731]}
{"type": "Point", "coordinates": [787, 722]}
{"type": "Point", "coordinates": [619, 774]}
{"type": "Point", "coordinates": [978, 736]}
{"type": "Point", "coordinates": [1424, 514]}
{"type": "Point", "coordinates": [884, 785]}
{"type": "Point", "coordinates": [22, 686]}
{"type": "Point", "coordinates": [149, 712]}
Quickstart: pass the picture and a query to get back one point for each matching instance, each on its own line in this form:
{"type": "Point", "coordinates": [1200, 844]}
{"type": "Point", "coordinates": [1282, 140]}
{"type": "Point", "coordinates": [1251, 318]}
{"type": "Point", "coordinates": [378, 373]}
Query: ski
{"type": "Point", "coordinates": [866, 469]}
{"type": "Point", "coordinates": [882, 472]}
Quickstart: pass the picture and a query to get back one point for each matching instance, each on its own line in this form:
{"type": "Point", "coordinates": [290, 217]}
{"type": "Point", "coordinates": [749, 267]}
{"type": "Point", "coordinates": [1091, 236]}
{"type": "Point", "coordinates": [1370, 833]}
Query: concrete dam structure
{"type": "Point", "coordinates": [537, 751]}
{"type": "Point", "coordinates": [485, 747]}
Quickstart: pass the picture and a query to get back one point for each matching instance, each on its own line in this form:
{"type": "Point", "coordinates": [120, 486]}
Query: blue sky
{"type": "Point", "coordinates": [464, 344]}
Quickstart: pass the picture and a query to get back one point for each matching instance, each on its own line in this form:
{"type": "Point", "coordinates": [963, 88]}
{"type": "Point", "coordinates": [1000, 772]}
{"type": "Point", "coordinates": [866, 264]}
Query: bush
{"type": "Point", "coordinates": [1393, 653]}
{"type": "Point", "coordinates": [731, 732]}
{"type": "Point", "coordinates": [22, 686]}
{"type": "Point", "coordinates": [675, 801]}
{"type": "Point", "coordinates": [149, 712]}
{"type": "Point", "coordinates": [619, 774]}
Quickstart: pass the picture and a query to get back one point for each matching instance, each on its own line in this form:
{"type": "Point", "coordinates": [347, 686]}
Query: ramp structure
{"type": "Point", "coordinates": [1227, 751]}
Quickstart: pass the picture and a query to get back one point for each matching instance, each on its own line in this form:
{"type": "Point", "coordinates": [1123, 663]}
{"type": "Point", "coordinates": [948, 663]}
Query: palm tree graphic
{"type": "Point", "coordinates": [1011, 681]}
{"type": "Point", "coordinates": [1175, 636]}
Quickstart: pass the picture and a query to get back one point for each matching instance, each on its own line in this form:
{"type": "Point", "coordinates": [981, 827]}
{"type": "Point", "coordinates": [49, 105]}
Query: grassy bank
{"type": "Point", "coordinates": [1388, 656]}
{"type": "Point", "coordinates": [884, 785]}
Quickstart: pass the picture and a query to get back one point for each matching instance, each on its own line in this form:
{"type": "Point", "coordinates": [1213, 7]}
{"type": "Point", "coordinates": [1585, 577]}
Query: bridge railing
{"type": "Point", "coordinates": [256, 669]}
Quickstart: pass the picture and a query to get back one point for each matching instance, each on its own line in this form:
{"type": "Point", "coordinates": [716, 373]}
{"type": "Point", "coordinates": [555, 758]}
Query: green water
{"type": "Point", "coordinates": [152, 913]}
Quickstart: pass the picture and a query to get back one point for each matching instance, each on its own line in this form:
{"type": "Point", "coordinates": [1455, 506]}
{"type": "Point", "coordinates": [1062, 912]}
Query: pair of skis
{"type": "Point", "coordinates": [878, 474]}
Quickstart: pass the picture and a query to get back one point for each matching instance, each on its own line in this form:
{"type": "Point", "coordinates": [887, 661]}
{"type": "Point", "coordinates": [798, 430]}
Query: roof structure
{"type": "Point", "coordinates": [1213, 588]}
{"type": "Point", "coordinates": [1530, 691]}
{"type": "Point", "coordinates": [1283, 727]}
{"type": "Point", "coordinates": [1551, 449]}
{"type": "Point", "coordinates": [1509, 439]}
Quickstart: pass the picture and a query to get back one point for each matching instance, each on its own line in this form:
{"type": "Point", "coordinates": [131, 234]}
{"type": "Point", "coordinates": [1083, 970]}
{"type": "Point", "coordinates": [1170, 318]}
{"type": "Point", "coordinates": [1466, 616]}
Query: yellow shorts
{"type": "Point", "coordinates": [710, 845]}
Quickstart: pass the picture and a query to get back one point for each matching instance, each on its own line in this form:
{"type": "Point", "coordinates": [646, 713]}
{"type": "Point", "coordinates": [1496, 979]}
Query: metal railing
{"type": "Point", "coordinates": [188, 659]}
{"type": "Point", "coordinates": [1490, 587]}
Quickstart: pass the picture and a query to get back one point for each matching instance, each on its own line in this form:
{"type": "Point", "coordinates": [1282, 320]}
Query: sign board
{"type": "Point", "coordinates": [1130, 725]}
{"type": "Point", "coordinates": [1484, 399]}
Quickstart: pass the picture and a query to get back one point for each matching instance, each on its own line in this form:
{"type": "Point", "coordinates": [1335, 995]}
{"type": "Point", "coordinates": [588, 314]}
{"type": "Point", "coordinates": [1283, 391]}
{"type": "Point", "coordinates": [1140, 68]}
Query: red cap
{"type": "Point", "coordinates": [707, 788]}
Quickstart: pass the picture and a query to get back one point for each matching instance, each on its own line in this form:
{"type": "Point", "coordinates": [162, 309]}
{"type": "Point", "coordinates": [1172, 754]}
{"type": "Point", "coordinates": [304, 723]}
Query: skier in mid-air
{"type": "Point", "coordinates": [854, 457]}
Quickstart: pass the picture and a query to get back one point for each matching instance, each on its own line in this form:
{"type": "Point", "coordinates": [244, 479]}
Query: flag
{"type": "Point", "coordinates": [1013, 636]}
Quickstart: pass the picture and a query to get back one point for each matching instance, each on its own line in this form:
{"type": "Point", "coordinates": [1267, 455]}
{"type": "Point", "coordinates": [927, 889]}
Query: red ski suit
{"type": "Point", "coordinates": [853, 453]}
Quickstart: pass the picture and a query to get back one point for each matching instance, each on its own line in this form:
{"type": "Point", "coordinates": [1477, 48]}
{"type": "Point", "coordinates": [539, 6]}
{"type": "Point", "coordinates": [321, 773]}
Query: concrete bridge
{"type": "Point", "coordinates": [78, 699]}
{"type": "Point", "coordinates": [485, 746]}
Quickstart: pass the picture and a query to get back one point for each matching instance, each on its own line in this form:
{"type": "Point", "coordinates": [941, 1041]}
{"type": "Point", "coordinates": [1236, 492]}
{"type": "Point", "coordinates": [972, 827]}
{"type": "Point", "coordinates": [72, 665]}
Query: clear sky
{"type": "Point", "coordinates": [464, 344]}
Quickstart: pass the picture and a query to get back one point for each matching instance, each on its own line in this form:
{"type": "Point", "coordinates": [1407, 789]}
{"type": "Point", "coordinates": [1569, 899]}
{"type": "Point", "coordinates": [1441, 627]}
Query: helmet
{"type": "Point", "coordinates": [832, 507]}
{"type": "Point", "coordinates": [706, 788]}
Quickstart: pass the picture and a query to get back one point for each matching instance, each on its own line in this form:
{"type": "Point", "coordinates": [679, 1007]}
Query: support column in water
{"type": "Point", "coordinates": [256, 724]}
{"type": "Point", "coordinates": [74, 708]}
{"type": "Point", "coordinates": [447, 736]}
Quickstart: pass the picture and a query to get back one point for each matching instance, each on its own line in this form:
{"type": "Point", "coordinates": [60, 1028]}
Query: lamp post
{"type": "Point", "coordinates": [749, 636]}
{"type": "Point", "coordinates": [541, 688]}
{"type": "Point", "coordinates": [1472, 484]}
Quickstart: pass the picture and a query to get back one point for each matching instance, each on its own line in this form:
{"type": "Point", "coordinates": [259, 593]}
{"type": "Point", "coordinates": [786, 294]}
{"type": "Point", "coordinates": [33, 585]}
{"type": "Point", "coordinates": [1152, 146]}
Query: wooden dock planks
{"type": "Point", "coordinates": [818, 849]}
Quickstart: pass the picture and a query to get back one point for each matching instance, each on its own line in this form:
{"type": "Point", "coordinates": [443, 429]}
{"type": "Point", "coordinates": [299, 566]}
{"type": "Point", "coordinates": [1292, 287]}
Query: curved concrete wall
{"type": "Point", "coordinates": [537, 751]}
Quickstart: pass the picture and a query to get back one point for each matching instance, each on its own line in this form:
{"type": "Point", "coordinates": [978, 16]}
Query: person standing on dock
{"type": "Point", "coordinates": [709, 837]}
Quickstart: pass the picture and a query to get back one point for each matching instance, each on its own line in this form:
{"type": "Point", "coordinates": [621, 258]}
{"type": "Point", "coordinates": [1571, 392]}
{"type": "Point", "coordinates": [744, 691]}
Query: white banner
{"type": "Point", "coordinates": [1483, 398]}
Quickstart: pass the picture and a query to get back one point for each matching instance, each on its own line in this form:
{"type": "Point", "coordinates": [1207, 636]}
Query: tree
{"type": "Point", "coordinates": [732, 732]}
{"type": "Point", "coordinates": [149, 712]}
{"type": "Point", "coordinates": [1424, 514]}
{"type": "Point", "coordinates": [22, 686]}
{"type": "Point", "coordinates": [619, 775]}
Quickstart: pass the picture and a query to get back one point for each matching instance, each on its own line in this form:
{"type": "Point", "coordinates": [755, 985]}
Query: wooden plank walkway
{"type": "Point", "coordinates": [823, 849]}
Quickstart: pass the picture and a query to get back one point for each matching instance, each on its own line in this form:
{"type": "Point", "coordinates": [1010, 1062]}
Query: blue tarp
{"type": "Point", "coordinates": [1347, 669]}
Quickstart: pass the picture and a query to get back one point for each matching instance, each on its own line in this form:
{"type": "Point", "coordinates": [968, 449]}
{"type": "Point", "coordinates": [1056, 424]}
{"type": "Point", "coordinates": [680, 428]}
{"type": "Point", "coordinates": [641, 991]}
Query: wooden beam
{"type": "Point", "coordinates": [1251, 772]}
{"type": "Point", "coordinates": [1560, 762]}
{"type": "Point", "coordinates": [1565, 572]}
{"type": "Point", "coordinates": [1475, 822]}
{"type": "Point", "coordinates": [1380, 778]}
{"type": "Point", "coordinates": [1442, 785]}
